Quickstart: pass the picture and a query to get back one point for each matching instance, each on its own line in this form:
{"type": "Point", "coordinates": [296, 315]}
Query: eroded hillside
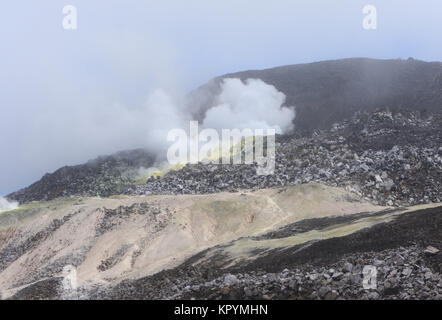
{"type": "Point", "coordinates": [84, 247]}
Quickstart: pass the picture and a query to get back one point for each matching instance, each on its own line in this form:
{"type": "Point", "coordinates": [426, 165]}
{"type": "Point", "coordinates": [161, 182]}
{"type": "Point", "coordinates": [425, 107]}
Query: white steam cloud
{"type": "Point", "coordinates": [75, 132]}
{"type": "Point", "coordinates": [7, 205]}
{"type": "Point", "coordinates": [251, 104]}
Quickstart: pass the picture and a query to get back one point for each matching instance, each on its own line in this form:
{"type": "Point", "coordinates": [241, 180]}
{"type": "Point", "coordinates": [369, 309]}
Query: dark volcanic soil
{"type": "Point", "coordinates": [423, 228]}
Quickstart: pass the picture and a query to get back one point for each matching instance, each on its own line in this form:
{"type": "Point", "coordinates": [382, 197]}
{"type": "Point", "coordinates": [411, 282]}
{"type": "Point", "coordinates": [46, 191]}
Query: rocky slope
{"type": "Point", "coordinates": [390, 158]}
{"type": "Point", "coordinates": [104, 176]}
{"type": "Point", "coordinates": [359, 182]}
{"type": "Point", "coordinates": [318, 258]}
{"type": "Point", "coordinates": [109, 239]}
{"type": "Point", "coordinates": [213, 231]}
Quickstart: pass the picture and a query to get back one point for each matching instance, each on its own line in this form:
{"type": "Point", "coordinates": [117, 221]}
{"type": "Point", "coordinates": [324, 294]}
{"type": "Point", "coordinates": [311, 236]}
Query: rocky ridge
{"type": "Point", "coordinates": [104, 176]}
{"type": "Point", "coordinates": [389, 158]}
{"type": "Point", "coordinates": [326, 92]}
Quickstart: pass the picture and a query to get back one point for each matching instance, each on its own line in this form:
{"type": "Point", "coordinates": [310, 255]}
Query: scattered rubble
{"type": "Point", "coordinates": [103, 177]}
{"type": "Point", "coordinates": [113, 217]}
{"type": "Point", "coordinates": [380, 156]}
{"type": "Point", "coordinates": [431, 250]}
{"type": "Point", "coordinates": [393, 159]}
{"type": "Point", "coordinates": [389, 158]}
{"type": "Point", "coordinates": [402, 273]}
{"type": "Point", "coordinates": [396, 249]}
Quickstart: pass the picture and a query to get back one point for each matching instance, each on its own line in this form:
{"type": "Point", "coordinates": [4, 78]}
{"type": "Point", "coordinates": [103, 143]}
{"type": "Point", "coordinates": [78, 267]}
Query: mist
{"type": "Point", "coordinates": [7, 205]}
{"type": "Point", "coordinates": [252, 104]}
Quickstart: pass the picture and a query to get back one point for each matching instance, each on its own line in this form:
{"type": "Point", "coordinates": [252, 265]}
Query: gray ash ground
{"type": "Point", "coordinates": [389, 158]}
{"type": "Point", "coordinates": [327, 269]}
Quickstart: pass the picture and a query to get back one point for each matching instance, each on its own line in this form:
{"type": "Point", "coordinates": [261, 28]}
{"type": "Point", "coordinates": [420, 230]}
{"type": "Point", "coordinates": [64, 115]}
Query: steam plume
{"type": "Point", "coordinates": [7, 205]}
{"type": "Point", "coordinates": [251, 104]}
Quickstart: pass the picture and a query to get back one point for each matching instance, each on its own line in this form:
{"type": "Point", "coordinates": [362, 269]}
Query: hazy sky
{"type": "Point", "coordinates": [69, 95]}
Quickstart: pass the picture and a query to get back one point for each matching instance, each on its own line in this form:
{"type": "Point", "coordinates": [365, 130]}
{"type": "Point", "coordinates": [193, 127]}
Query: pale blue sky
{"type": "Point", "coordinates": [56, 86]}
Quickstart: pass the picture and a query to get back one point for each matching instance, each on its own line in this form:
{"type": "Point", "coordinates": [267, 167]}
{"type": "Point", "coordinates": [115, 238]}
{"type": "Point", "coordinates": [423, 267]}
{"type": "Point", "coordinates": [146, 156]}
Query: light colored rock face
{"type": "Point", "coordinates": [93, 240]}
